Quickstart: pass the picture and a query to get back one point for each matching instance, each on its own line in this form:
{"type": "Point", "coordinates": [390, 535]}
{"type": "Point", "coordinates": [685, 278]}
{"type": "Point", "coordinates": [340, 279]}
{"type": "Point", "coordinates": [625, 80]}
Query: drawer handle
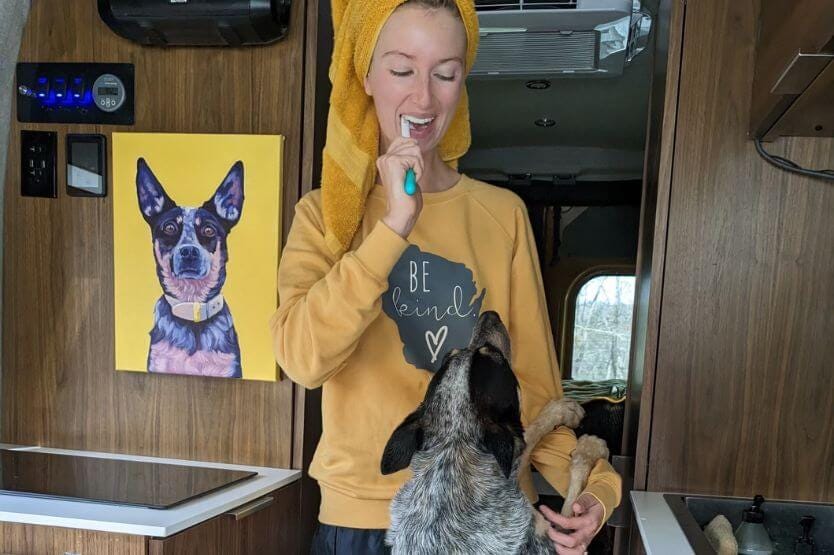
{"type": "Point", "coordinates": [252, 507]}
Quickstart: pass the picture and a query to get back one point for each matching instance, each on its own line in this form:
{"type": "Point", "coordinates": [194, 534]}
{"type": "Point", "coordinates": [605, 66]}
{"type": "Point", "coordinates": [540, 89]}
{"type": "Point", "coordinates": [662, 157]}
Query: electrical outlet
{"type": "Point", "coordinates": [37, 164]}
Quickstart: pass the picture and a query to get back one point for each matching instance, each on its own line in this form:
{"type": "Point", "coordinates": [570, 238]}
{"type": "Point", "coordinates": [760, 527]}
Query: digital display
{"type": "Point", "coordinates": [104, 91]}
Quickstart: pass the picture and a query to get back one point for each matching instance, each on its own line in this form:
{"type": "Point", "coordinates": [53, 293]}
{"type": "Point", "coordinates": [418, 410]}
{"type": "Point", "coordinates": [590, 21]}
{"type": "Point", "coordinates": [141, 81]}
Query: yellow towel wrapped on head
{"type": "Point", "coordinates": [352, 143]}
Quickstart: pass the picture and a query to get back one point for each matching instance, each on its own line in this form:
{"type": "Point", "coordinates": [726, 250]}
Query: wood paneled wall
{"type": "Point", "coordinates": [738, 371]}
{"type": "Point", "coordinates": [59, 384]}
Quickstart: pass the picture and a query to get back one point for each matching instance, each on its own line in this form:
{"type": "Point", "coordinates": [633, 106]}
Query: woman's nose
{"type": "Point", "coordinates": [422, 94]}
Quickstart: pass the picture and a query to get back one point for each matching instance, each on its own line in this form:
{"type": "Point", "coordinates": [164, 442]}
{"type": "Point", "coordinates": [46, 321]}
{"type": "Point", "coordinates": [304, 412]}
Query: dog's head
{"type": "Point", "coordinates": [190, 243]}
{"type": "Point", "coordinates": [473, 398]}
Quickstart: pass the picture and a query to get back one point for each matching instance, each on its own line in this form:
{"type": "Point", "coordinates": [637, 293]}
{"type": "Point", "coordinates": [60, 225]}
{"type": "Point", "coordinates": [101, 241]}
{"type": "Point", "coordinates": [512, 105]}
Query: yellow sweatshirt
{"type": "Point", "coordinates": [371, 326]}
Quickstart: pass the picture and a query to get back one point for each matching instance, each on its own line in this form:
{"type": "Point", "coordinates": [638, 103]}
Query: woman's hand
{"type": "Point", "coordinates": [588, 516]}
{"type": "Point", "coordinates": [403, 209]}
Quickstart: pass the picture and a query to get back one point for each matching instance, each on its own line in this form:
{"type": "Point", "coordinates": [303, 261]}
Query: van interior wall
{"type": "Point", "coordinates": [60, 388]}
{"type": "Point", "coordinates": [737, 396]}
{"type": "Point", "coordinates": [12, 19]}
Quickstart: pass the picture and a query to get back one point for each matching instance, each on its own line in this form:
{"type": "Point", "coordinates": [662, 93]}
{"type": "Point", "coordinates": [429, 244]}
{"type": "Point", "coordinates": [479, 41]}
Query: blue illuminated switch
{"type": "Point", "coordinates": [42, 87]}
{"type": "Point", "coordinates": [59, 84]}
{"type": "Point", "coordinates": [77, 87]}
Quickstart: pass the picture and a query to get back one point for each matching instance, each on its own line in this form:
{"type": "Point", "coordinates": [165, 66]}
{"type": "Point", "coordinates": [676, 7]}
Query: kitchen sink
{"type": "Point", "coordinates": [694, 512]}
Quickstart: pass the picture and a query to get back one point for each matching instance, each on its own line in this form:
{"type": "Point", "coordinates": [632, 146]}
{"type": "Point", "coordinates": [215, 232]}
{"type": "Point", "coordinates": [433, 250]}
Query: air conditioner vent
{"type": "Point", "coordinates": [544, 53]}
{"type": "Point", "coordinates": [509, 5]}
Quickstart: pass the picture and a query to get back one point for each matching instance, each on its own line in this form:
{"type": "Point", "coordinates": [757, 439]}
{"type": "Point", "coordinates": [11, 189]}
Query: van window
{"type": "Point", "coordinates": [602, 327]}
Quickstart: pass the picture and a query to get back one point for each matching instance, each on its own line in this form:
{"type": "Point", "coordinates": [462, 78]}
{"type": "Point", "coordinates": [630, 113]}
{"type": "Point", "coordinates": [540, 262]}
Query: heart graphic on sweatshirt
{"type": "Point", "coordinates": [435, 341]}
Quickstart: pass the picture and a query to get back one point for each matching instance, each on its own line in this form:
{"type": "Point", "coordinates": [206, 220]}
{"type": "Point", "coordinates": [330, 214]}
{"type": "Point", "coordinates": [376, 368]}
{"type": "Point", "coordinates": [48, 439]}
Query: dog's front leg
{"type": "Point", "coordinates": [589, 449]}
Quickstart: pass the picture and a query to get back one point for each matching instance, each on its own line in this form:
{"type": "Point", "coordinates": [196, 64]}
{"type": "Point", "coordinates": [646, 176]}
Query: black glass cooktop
{"type": "Point", "coordinates": [117, 481]}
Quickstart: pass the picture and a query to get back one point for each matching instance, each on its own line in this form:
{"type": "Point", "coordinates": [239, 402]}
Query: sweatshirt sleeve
{"type": "Point", "coordinates": [534, 362]}
{"type": "Point", "coordinates": [325, 304]}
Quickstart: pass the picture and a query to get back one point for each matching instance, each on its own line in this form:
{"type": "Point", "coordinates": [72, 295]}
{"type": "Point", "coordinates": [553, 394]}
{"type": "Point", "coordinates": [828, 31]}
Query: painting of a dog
{"type": "Point", "coordinates": [195, 266]}
{"type": "Point", "coordinates": [193, 329]}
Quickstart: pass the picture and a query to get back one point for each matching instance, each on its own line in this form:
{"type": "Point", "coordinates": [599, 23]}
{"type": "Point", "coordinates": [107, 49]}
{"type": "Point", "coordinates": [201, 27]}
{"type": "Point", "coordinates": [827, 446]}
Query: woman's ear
{"type": "Point", "coordinates": [367, 83]}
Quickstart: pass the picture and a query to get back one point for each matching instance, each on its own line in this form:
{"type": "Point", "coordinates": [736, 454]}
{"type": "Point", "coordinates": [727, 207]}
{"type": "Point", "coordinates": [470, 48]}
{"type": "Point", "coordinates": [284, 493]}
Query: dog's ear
{"type": "Point", "coordinates": [153, 200]}
{"type": "Point", "coordinates": [406, 440]}
{"type": "Point", "coordinates": [500, 441]}
{"type": "Point", "coordinates": [493, 389]}
{"type": "Point", "coordinates": [227, 201]}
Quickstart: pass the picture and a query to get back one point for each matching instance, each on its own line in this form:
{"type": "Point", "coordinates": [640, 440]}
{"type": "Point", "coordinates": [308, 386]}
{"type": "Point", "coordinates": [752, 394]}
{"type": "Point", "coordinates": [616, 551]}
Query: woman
{"type": "Point", "coordinates": [371, 317]}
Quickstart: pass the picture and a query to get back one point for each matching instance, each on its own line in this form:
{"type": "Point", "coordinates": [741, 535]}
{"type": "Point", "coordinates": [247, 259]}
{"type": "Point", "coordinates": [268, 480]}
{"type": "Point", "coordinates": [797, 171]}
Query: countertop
{"type": "Point", "coordinates": [123, 519]}
{"type": "Point", "coordinates": [658, 526]}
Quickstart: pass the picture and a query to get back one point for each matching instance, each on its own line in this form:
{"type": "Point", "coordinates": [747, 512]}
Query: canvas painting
{"type": "Point", "coordinates": [196, 232]}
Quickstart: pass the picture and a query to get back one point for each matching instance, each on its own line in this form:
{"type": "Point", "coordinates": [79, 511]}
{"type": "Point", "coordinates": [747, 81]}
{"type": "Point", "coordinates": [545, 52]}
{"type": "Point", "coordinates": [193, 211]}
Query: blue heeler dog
{"type": "Point", "coordinates": [193, 331]}
{"type": "Point", "coordinates": [465, 445]}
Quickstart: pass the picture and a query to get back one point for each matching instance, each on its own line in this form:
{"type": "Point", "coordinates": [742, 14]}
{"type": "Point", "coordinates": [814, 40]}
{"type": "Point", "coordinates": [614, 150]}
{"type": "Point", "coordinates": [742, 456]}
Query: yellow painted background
{"type": "Point", "coordinates": [190, 167]}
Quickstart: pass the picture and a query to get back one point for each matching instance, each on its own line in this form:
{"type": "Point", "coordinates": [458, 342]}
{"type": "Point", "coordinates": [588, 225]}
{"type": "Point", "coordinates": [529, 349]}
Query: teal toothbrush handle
{"type": "Point", "coordinates": [410, 182]}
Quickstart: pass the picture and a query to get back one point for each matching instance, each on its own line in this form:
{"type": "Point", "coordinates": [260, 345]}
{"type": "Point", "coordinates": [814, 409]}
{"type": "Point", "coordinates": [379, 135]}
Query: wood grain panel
{"type": "Point", "coordinates": [28, 539]}
{"type": "Point", "coordinates": [59, 385]}
{"type": "Point", "coordinates": [273, 529]}
{"type": "Point", "coordinates": [743, 401]}
{"type": "Point", "coordinates": [319, 46]}
{"type": "Point", "coordinates": [651, 252]}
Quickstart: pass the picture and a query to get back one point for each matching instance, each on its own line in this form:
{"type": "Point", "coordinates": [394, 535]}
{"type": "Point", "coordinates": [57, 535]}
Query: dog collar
{"type": "Point", "coordinates": [194, 311]}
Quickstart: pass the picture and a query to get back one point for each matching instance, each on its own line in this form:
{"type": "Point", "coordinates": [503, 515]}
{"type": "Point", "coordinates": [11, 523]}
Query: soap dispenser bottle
{"type": "Point", "coordinates": [804, 545]}
{"type": "Point", "coordinates": [751, 535]}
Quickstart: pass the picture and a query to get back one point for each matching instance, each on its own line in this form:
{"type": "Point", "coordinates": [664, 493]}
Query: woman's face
{"type": "Point", "coordinates": [417, 70]}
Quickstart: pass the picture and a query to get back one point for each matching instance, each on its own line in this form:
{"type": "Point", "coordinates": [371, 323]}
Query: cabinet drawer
{"type": "Point", "coordinates": [31, 539]}
{"type": "Point", "coordinates": [256, 528]}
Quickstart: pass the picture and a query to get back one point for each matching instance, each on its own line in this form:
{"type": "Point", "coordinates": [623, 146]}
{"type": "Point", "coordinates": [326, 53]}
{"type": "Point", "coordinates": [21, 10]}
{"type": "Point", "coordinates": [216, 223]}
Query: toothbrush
{"type": "Point", "coordinates": [410, 184]}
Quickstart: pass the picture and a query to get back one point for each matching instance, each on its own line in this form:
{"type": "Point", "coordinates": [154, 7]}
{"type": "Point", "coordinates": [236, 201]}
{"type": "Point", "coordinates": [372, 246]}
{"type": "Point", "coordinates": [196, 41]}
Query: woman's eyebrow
{"type": "Point", "coordinates": [398, 53]}
{"type": "Point", "coordinates": [410, 57]}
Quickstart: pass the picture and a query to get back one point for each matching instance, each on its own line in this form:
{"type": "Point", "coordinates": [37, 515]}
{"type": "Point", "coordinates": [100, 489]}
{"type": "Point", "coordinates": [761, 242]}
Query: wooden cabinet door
{"type": "Point", "coordinates": [272, 529]}
{"type": "Point", "coordinates": [31, 539]}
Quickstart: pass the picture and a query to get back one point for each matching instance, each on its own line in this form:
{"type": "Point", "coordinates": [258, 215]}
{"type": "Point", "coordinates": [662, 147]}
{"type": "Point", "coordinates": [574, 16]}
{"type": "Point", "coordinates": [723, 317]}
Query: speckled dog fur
{"type": "Point", "coordinates": [465, 445]}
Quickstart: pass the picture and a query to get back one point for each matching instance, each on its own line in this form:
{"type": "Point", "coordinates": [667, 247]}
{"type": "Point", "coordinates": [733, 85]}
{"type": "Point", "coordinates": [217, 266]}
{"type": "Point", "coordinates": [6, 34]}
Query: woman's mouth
{"type": "Point", "coordinates": [420, 128]}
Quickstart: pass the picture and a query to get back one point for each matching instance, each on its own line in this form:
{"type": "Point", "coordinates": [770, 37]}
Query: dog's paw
{"type": "Point", "coordinates": [591, 448]}
{"type": "Point", "coordinates": [567, 411]}
{"type": "Point", "coordinates": [564, 412]}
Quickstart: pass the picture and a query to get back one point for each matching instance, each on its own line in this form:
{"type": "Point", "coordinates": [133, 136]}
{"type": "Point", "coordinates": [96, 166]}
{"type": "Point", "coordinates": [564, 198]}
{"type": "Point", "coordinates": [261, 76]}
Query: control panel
{"type": "Point", "coordinates": [75, 93]}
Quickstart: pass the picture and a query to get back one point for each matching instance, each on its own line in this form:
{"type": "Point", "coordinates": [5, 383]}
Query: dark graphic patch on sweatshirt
{"type": "Point", "coordinates": [435, 304]}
